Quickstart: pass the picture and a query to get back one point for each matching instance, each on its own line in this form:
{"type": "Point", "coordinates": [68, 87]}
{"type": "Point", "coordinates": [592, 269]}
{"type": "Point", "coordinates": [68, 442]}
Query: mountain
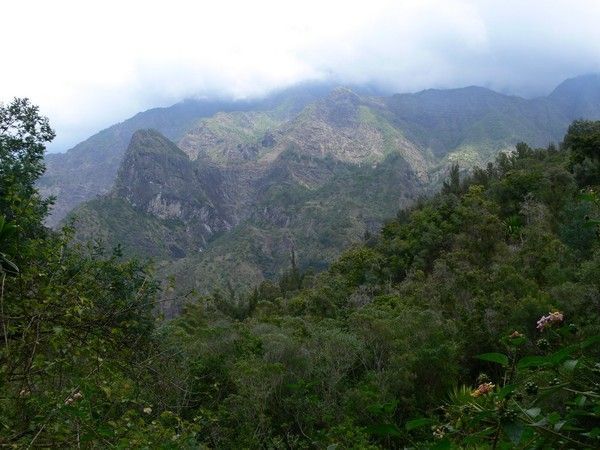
{"type": "Point", "coordinates": [469, 321]}
{"type": "Point", "coordinates": [475, 121]}
{"type": "Point", "coordinates": [227, 201]}
{"type": "Point", "coordinates": [461, 124]}
{"type": "Point", "coordinates": [89, 169]}
{"type": "Point", "coordinates": [243, 189]}
{"type": "Point", "coordinates": [579, 97]}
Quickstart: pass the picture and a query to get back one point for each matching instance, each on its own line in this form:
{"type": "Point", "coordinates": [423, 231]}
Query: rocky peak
{"type": "Point", "coordinates": [150, 161]}
{"type": "Point", "coordinates": [340, 107]}
{"type": "Point", "coordinates": [150, 140]}
{"type": "Point", "coordinates": [158, 178]}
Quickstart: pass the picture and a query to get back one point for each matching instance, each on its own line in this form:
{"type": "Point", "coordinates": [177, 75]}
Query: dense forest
{"type": "Point", "coordinates": [471, 320]}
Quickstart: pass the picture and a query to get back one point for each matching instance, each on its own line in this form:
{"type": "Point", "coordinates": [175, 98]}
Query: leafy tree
{"type": "Point", "coordinates": [75, 324]}
{"type": "Point", "coordinates": [583, 142]}
{"type": "Point", "coordinates": [23, 135]}
{"type": "Point", "coordinates": [452, 185]}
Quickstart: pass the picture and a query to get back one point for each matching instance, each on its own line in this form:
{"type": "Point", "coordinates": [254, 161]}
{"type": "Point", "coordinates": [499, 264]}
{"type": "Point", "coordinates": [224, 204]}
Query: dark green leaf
{"type": "Point", "coordinates": [532, 361]}
{"type": "Point", "coordinates": [514, 431]}
{"type": "Point", "coordinates": [506, 390]}
{"type": "Point", "coordinates": [417, 423]}
{"type": "Point", "coordinates": [385, 430]}
{"type": "Point", "coordinates": [442, 445]}
{"type": "Point", "coordinates": [498, 358]}
{"type": "Point", "coordinates": [590, 341]}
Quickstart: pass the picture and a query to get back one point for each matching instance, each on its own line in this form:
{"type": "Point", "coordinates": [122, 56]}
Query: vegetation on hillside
{"type": "Point", "coordinates": [470, 124]}
{"type": "Point", "coordinates": [314, 174]}
{"type": "Point", "coordinates": [470, 320]}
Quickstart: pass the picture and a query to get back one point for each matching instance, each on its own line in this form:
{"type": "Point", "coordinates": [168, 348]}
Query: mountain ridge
{"type": "Point", "coordinates": [89, 169]}
{"type": "Point", "coordinates": [242, 189]}
{"type": "Point", "coordinates": [267, 199]}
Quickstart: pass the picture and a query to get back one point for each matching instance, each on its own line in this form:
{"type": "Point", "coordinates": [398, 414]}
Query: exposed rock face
{"type": "Point", "coordinates": [89, 169]}
{"type": "Point", "coordinates": [157, 178]}
{"type": "Point", "coordinates": [256, 181]}
{"type": "Point", "coordinates": [240, 188]}
{"type": "Point", "coordinates": [469, 125]}
{"type": "Point", "coordinates": [345, 127]}
{"type": "Point", "coordinates": [228, 138]}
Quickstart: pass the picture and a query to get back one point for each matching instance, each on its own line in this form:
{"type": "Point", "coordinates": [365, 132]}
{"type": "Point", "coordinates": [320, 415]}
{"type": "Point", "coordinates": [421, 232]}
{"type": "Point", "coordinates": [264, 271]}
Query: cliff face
{"type": "Point", "coordinates": [469, 125]}
{"type": "Point", "coordinates": [158, 179]}
{"type": "Point", "coordinates": [90, 168]}
{"type": "Point", "coordinates": [239, 189]}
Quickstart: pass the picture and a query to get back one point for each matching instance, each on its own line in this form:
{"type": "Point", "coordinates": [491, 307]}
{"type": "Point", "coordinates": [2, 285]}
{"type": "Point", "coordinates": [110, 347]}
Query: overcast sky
{"type": "Point", "coordinates": [89, 64]}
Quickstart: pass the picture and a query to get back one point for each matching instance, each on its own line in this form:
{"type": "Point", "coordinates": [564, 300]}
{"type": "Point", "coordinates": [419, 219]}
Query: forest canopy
{"type": "Point", "coordinates": [471, 319]}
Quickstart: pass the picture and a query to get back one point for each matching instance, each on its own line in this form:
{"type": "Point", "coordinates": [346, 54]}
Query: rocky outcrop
{"type": "Point", "coordinates": [157, 178]}
{"type": "Point", "coordinates": [241, 187]}
{"type": "Point", "coordinates": [252, 167]}
{"type": "Point", "coordinates": [470, 124]}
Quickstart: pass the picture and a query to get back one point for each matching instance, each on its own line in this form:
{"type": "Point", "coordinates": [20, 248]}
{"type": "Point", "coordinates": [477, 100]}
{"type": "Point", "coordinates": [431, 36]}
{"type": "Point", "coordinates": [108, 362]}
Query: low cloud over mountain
{"type": "Point", "coordinates": [87, 74]}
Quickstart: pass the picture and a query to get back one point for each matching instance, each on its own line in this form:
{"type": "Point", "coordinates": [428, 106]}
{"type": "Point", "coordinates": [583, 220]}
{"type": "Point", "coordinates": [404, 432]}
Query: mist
{"type": "Point", "coordinates": [91, 64]}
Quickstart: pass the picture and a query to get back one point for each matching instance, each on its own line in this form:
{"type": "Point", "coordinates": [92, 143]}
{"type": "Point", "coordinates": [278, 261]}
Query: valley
{"type": "Point", "coordinates": [222, 200]}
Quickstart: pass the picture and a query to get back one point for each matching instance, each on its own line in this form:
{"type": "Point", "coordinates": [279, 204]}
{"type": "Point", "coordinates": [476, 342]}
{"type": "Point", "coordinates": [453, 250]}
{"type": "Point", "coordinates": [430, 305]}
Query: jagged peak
{"type": "Point", "coordinates": [151, 141]}
{"type": "Point", "coordinates": [146, 156]}
{"type": "Point", "coordinates": [342, 93]}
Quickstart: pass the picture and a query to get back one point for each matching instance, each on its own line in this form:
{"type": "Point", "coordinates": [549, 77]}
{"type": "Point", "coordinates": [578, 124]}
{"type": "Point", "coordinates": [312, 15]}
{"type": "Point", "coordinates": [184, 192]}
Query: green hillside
{"type": "Point", "coordinates": [470, 124]}
{"type": "Point", "coordinates": [470, 321]}
{"type": "Point", "coordinates": [244, 189]}
{"type": "Point", "coordinates": [247, 189]}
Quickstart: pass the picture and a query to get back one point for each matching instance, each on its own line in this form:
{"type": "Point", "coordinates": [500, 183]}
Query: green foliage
{"type": "Point", "coordinates": [23, 134]}
{"type": "Point", "coordinates": [397, 323]}
{"type": "Point", "coordinates": [546, 400]}
{"type": "Point", "coordinates": [378, 351]}
{"type": "Point", "coordinates": [76, 325]}
{"type": "Point", "coordinates": [583, 141]}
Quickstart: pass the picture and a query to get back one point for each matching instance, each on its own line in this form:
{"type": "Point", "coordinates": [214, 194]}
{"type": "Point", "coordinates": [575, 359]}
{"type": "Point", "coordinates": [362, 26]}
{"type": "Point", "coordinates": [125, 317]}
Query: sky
{"type": "Point", "coordinates": [89, 64]}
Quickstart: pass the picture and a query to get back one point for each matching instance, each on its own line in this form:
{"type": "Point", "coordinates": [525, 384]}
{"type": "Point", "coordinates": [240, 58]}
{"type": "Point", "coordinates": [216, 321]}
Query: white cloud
{"type": "Point", "coordinates": [90, 64]}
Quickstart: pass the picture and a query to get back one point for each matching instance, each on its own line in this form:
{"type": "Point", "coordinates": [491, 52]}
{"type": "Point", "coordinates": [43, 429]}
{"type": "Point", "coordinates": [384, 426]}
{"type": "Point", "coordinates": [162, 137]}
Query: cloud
{"type": "Point", "coordinates": [90, 64]}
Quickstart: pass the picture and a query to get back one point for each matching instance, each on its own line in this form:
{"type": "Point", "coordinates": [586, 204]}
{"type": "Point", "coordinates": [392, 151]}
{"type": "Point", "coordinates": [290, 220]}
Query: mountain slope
{"type": "Point", "coordinates": [314, 223]}
{"type": "Point", "coordinates": [304, 186]}
{"type": "Point", "coordinates": [578, 97]}
{"type": "Point", "coordinates": [447, 121]}
{"type": "Point", "coordinates": [242, 189]}
{"type": "Point", "coordinates": [468, 124]}
{"type": "Point", "coordinates": [89, 169]}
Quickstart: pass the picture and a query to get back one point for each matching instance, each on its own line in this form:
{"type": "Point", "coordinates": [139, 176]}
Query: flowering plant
{"type": "Point", "coordinates": [549, 320]}
{"type": "Point", "coordinates": [522, 410]}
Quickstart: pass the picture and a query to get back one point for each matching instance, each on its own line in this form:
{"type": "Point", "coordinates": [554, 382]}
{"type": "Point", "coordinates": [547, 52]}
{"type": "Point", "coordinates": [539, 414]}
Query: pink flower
{"type": "Point", "coordinates": [549, 320]}
{"type": "Point", "coordinates": [482, 389]}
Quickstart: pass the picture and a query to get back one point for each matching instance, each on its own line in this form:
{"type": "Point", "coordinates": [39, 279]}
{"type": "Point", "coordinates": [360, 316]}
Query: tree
{"type": "Point", "coordinates": [23, 135]}
{"type": "Point", "coordinates": [583, 140]}
{"type": "Point", "coordinates": [75, 326]}
{"type": "Point", "coordinates": [452, 185]}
